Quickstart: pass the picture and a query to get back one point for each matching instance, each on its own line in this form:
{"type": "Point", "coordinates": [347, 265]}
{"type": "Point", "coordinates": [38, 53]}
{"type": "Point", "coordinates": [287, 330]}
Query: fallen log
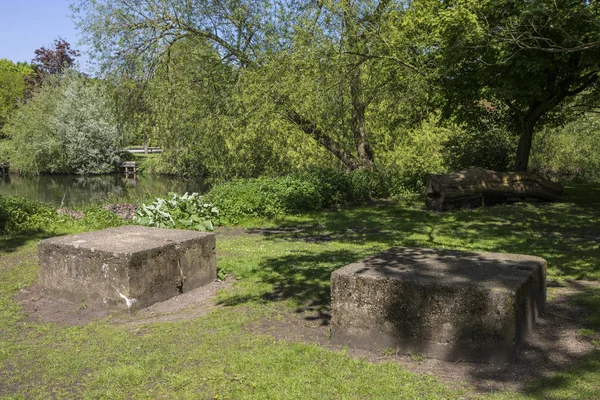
{"type": "Point", "coordinates": [477, 187]}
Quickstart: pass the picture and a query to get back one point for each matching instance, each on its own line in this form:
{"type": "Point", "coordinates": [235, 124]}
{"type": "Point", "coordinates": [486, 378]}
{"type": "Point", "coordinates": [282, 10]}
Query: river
{"type": "Point", "coordinates": [72, 190]}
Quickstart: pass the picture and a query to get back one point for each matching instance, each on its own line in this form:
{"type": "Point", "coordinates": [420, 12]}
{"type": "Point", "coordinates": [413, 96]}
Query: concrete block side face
{"type": "Point", "coordinates": [445, 322]}
{"type": "Point", "coordinates": [162, 273]}
{"type": "Point", "coordinates": [122, 280]}
{"type": "Point", "coordinates": [198, 263]}
{"type": "Point", "coordinates": [82, 275]}
{"type": "Point", "coordinates": [530, 300]}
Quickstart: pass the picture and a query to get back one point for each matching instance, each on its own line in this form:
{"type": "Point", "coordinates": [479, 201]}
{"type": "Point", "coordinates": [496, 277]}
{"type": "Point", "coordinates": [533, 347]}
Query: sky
{"type": "Point", "coordinates": [27, 25]}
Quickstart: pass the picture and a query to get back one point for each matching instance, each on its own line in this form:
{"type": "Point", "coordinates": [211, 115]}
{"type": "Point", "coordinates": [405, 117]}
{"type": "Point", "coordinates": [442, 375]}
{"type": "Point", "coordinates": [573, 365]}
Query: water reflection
{"type": "Point", "coordinates": [70, 190]}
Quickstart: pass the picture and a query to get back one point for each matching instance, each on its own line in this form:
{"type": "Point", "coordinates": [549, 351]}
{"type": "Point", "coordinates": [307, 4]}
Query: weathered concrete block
{"type": "Point", "coordinates": [129, 267]}
{"type": "Point", "coordinates": [450, 305]}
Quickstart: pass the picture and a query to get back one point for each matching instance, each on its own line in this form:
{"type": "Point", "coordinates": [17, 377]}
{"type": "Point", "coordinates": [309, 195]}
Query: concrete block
{"type": "Point", "coordinates": [450, 305]}
{"type": "Point", "coordinates": [129, 267]}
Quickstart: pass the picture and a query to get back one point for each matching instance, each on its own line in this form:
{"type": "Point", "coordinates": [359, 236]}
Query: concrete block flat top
{"type": "Point", "coordinates": [126, 239]}
{"type": "Point", "coordinates": [447, 267]}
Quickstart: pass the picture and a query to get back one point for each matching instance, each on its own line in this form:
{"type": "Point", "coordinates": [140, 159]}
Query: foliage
{"type": "Point", "coordinates": [491, 149]}
{"type": "Point", "coordinates": [571, 152]}
{"type": "Point", "coordinates": [20, 215]}
{"type": "Point", "coordinates": [528, 58]}
{"type": "Point", "coordinates": [402, 88]}
{"type": "Point", "coordinates": [415, 154]}
{"type": "Point", "coordinates": [54, 60]}
{"type": "Point", "coordinates": [312, 189]}
{"type": "Point", "coordinates": [263, 197]}
{"type": "Point", "coordinates": [68, 126]}
{"type": "Point", "coordinates": [13, 84]}
{"type": "Point", "coordinates": [280, 86]}
{"type": "Point", "coordinates": [189, 211]}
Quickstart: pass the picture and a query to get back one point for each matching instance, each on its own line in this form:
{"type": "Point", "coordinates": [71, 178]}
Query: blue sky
{"type": "Point", "coordinates": [26, 25]}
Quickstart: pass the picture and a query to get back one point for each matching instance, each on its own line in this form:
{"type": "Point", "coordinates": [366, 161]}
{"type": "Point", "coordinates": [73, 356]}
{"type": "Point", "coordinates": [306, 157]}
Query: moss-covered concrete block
{"type": "Point", "coordinates": [129, 267]}
{"type": "Point", "coordinates": [451, 305]}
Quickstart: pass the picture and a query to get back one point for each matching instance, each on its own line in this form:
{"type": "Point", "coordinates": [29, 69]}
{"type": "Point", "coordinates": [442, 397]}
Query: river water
{"type": "Point", "coordinates": [71, 190]}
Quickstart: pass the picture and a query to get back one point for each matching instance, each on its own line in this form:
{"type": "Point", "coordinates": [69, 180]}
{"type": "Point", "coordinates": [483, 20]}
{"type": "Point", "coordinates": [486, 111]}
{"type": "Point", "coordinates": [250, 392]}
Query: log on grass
{"type": "Point", "coordinates": [478, 186]}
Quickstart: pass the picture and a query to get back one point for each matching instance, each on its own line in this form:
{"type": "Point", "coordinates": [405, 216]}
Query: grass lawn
{"type": "Point", "coordinates": [285, 265]}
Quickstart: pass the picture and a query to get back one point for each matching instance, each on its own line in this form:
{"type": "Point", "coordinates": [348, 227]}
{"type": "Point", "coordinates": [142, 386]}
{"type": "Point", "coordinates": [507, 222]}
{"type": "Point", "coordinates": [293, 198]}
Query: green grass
{"type": "Point", "coordinates": [217, 356]}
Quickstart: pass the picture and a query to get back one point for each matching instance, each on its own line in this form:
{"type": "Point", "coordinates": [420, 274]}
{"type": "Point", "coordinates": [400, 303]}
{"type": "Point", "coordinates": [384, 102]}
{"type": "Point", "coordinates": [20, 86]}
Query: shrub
{"type": "Point", "coordinates": [570, 153]}
{"type": "Point", "coordinates": [18, 214]}
{"type": "Point", "coordinates": [302, 191]}
{"type": "Point", "coordinates": [189, 211]}
{"type": "Point", "coordinates": [492, 149]}
{"type": "Point", "coordinates": [334, 187]}
{"type": "Point", "coordinates": [408, 158]}
{"type": "Point", "coordinates": [69, 126]}
{"type": "Point", "coordinates": [264, 197]}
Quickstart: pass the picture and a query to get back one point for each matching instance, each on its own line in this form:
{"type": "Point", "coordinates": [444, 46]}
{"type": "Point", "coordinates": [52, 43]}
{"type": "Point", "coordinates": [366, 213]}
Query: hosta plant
{"type": "Point", "coordinates": [188, 211]}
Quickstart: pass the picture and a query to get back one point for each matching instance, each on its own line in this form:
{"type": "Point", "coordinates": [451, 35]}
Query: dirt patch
{"type": "Point", "coordinates": [190, 305]}
{"type": "Point", "coordinates": [39, 307]}
{"type": "Point", "coordinates": [556, 344]}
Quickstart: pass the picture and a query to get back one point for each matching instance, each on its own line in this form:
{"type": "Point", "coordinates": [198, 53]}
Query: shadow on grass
{"type": "Point", "coordinates": [13, 242]}
{"type": "Point", "coordinates": [301, 276]}
{"type": "Point", "coordinates": [566, 234]}
{"type": "Point", "coordinates": [581, 381]}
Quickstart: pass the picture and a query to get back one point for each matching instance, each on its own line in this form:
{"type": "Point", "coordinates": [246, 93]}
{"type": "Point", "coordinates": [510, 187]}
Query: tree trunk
{"type": "Point", "coordinates": [477, 187]}
{"type": "Point", "coordinates": [356, 45]}
{"type": "Point", "coordinates": [524, 146]}
{"type": "Point", "coordinates": [358, 124]}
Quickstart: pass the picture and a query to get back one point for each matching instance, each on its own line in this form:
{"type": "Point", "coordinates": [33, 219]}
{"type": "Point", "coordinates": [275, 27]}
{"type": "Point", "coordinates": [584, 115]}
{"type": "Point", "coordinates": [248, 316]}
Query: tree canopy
{"type": "Point", "coordinates": [244, 88]}
{"type": "Point", "coordinates": [526, 58]}
{"type": "Point", "coordinates": [68, 126]}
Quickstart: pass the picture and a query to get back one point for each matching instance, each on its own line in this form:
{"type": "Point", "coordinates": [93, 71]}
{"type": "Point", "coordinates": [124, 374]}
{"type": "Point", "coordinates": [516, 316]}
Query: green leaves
{"type": "Point", "coordinates": [12, 88]}
{"type": "Point", "coordinates": [69, 126]}
{"type": "Point", "coordinates": [189, 211]}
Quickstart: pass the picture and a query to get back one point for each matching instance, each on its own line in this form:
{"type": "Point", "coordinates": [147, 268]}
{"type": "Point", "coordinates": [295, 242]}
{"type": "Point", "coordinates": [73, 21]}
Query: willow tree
{"type": "Point", "coordinates": [528, 58]}
{"type": "Point", "coordinates": [316, 67]}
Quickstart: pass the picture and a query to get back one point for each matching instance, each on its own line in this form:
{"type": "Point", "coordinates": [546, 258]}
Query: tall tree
{"type": "Point", "coordinates": [528, 58]}
{"type": "Point", "coordinates": [265, 43]}
{"type": "Point", "coordinates": [68, 126]}
{"type": "Point", "coordinates": [57, 59]}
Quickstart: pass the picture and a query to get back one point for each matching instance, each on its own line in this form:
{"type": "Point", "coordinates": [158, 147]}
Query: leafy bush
{"type": "Point", "coordinates": [264, 197]}
{"type": "Point", "coordinates": [334, 187]}
{"type": "Point", "coordinates": [96, 218]}
{"type": "Point", "coordinates": [18, 214]}
{"type": "Point", "coordinates": [492, 149]}
{"type": "Point", "coordinates": [302, 191]}
{"type": "Point", "coordinates": [189, 211]}
{"type": "Point", "coordinates": [409, 157]}
{"type": "Point", "coordinates": [570, 153]}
